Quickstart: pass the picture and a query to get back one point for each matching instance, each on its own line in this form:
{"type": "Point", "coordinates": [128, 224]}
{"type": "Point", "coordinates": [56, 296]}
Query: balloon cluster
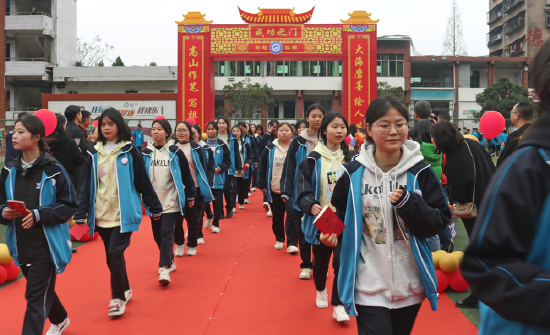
{"type": "Point", "coordinates": [85, 237]}
{"type": "Point", "coordinates": [360, 138]}
{"type": "Point", "coordinates": [8, 270]}
{"type": "Point", "coordinates": [447, 270]}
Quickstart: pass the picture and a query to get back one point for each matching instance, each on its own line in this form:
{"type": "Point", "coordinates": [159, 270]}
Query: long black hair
{"type": "Point", "coordinates": [540, 72]}
{"type": "Point", "coordinates": [188, 125]}
{"type": "Point", "coordinates": [260, 127]}
{"type": "Point", "coordinates": [165, 125]}
{"type": "Point", "coordinates": [327, 119]}
{"type": "Point", "coordinates": [299, 123]}
{"type": "Point", "coordinates": [124, 132]}
{"type": "Point", "coordinates": [271, 123]}
{"type": "Point", "coordinates": [422, 131]}
{"type": "Point", "coordinates": [60, 124]}
{"type": "Point", "coordinates": [198, 129]}
{"type": "Point", "coordinates": [34, 125]}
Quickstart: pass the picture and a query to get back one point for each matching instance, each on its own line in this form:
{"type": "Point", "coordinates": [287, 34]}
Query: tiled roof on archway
{"type": "Point", "coordinates": [276, 16]}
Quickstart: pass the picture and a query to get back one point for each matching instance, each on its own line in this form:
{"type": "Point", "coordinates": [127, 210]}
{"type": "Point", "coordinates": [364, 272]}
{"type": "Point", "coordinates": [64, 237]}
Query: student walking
{"type": "Point", "coordinates": [301, 146]}
{"type": "Point", "coordinates": [317, 176]}
{"type": "Point", "coordinates": [269, 182]}
{"type": "Point", "coordinates": [242, 173]}
{"type": "Point", "coordinates": [230, 186]}
{"type": "Point", "coordinates": [391, 202]}
{"type": "Point", "coordinates": [196, 161]}
{"type": "Point", "coordinates": [114, 173]}
{"type": "Point", "coordinates": [38, 240]}
{"type": "Point", "coordinates": [267, 138]}
{"type": "Point", "coordinates": [168, 169]}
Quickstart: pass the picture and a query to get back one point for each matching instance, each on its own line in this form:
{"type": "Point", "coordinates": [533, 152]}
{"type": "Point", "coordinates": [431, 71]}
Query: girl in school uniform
{"type": "Point", "coordinates": [114, 174]}
{"type": "Point", "coordinates": [168, 170]}
{"type": "Point", "coordinates": [317, 176]}
{"type": "Point", "coordinates": [391, 202]}
{"type": "Point", "coordinates": [230, 188]}
{"type": "Point", "coordinates": [269, 182]}
{"type": "Point", "coordinates": [252, 134]}
{"type": "Point", "coordinates": [242, 172]}
{"type": "Point", "coordinates": [39, 241]}
{"type": "Point", "coordinates": [221, 157]}
{"type": "Point", "coordinates": [197, 162]}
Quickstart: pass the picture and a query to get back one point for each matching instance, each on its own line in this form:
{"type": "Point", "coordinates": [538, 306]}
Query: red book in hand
{"type": "Point", "coordinates": [328, 222]}
{"type": "Point", "coordinates": [18, 206]}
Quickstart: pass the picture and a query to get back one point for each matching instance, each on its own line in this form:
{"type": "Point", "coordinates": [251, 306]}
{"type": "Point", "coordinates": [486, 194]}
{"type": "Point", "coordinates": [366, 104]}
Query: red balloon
{"type": "Point", "coordinates": [72, 238]}
{"type": "Point", "coordinates": [12, 271]}
{"type": "Point", "coordinates": [48, 119]}
{"type": "Point", "coordinates": [442, 280]}
{"type": "Point", "coordinates": [457, 281]}
{"type": "Point", "coordinates": [191, 120]}
{"type": "Point", "coordinates": [96, 234]}
{"type": "Point", "coordinates": [84, 238]}
{"type": "Point", "coordinates": [491, 124]}
{"type": "Point", "coordinates": [3, 274]}
{"type": "Point", "coordinates": [160, 117]}
{"type": "Point", "coordinates": [94, 123]}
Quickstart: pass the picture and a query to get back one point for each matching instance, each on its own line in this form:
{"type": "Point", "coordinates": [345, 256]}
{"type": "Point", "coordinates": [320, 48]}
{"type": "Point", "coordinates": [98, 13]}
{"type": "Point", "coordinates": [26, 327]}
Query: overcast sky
{"type": "Point", "coordinates": [143, 30]}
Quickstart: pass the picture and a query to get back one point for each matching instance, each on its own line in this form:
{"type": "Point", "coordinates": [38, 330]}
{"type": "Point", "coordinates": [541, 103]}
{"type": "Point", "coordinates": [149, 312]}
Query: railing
{"type": "Point", "coordinates": [494, 37]}
{"type": "Point", "coordinates": [23, 109]}
{"type": "Point", "coordinates": [24, 59]}
{"type": "Point", "coordinates": [27, 13]}
{"type": "Point", "coordinates": [431, 83]}
{"type": "Point", "coordinates": [508, 5]}
{"type": "Point", "coordinates": [494, 14]}
{"type": "Point", "coordinates": [514, 24]}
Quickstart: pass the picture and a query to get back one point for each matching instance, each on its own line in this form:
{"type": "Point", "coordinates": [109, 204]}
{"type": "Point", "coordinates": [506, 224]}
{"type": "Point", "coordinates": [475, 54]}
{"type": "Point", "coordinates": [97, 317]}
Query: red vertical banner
{"type": "Point", "coordinates": [193, 78]}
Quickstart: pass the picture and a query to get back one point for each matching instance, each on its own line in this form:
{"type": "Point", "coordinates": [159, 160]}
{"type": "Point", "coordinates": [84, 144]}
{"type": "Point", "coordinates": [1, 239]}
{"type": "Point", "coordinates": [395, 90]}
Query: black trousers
{"type": "Point", "coordinates": [217, 206]}
{"type": "Point", "coordinates": [383, 321]}
{"type": "Point", "coordinates": [242, 189]}
{"type": "Point", "coordinates": [305, 247]}
{"type": "Point", "coordinates": [209, 215]}
{"type": "Point", "coordinates": [469, 225]}
{"type": "Point", "coordinates": [163, 233]}
{"type": "Point", "coordinates": [192, 216]}
{"type": "Point", "coordinates": [230, 192]}
{"type": "Point", "coordinates": [42, 301]}
{"type": "Point", "coordinates": [254, 177]}
{"type": "Point", "coordinates": [321, 260]}
{"type": "Point", "coordinates": [115, 244]}
{"type": "Point", "coordinates": [279, 208]}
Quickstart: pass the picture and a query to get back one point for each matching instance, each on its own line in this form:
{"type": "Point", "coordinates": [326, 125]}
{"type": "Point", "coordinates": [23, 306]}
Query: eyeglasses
{"type": "Point", "coordinates": [385, 128]}
{"type": "Point", "coordinates": [182, 131]}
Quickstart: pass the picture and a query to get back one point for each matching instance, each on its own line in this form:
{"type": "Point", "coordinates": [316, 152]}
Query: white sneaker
{"type": "Point", "coordinates": [117, 307]}
{"type": "Point", "coordinates": [292, 250]}
{"type": "Point", "coordinates": [322, 299]}
{"type": "Point", "coordinates": [246, 201]}
{"type": "Point", "coordinates": [339, 313]}
{"type": "Point", "coordinates": [215, 229]}
{"type": "Point", "coordinates": [269, 213]}
{"type": "Point", "coordinates": [128, 293]}
{"type": "Point", "coordinates": [58, 328]}
{"type": "Point", "coordinates": [191, 252]}
{"type": "Point", "coordinates": [253, 189]}
{"type": "Point", "coordinates": [164, 277]}
{"type": "Point", "coordinates": [278, 245]}
{"type": "Point", "coordinates": [305, 274]}
{"type": "Point", "coordinates": [186, 234]}
{"type": "Point", "coordinates": [241, 206]}
{"type": "Point", "coordinates": [171, 269]}
{"type": "Point", "coordinates": [266, 206]}
{"type": "Point", "coordinates": [234, 209]}
{"type": "Point", "coordinates": [249, 194]}
{"type": "Point", "coordinates": [179, 250]}
{"type": "Point", "coordinates": [208, 223]}
{"type": "Point", "coordinates": [200, 241]}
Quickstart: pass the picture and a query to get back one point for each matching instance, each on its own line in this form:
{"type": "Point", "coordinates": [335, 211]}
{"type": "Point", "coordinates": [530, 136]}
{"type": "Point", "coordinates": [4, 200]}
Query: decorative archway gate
{"type": "Point", "coordinates": [275, 34]}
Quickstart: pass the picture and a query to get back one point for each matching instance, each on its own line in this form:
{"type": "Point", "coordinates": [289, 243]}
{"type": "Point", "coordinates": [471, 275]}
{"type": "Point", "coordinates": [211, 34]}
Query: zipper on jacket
{"type": "Point", "coordinates": [118, 186]}
{"type": "Point", "coordinates": [193, 157]}
{"type": "Point", "coordinates": [43, 228]}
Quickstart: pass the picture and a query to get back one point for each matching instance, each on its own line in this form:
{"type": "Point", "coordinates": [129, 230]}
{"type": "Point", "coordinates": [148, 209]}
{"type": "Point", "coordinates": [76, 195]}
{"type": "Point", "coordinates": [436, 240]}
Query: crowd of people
{"type": "Point", "coordinates": [394, 193]}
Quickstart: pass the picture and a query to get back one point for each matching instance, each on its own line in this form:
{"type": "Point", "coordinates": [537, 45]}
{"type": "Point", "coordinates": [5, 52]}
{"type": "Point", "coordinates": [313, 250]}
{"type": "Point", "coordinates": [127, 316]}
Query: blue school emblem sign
{"type": "Point", "coordinates": [276, 47]}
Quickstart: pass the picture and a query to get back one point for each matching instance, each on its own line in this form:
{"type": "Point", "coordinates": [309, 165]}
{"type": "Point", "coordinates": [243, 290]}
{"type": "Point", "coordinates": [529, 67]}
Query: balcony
{"type": "Point", "coordinates": [17, 24]}
{"type": "Point", "coordinates": [27, 68]}
{"type": "Point", "coordinates": [494, 14]}
{"type": "Point", "coordinates": [494, 36]}
{"type": "Point", "coordinates": [509, 5]}
{"type": "Point", "coordinates": [515, 24]}
{"type": "Point", "coordinates": [515, 48]}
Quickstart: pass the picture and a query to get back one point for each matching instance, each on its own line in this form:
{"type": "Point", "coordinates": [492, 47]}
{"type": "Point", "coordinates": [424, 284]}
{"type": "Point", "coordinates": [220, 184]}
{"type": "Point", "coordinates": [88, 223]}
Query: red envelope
{"type": "Point", "coordinates": [328, 222]}
{"type": "Point", "coordinates": [18, 206]}
{"type": "Point", "coordinates": [244, 167]}
{"type": "Point", "coordinates": [79, 230]}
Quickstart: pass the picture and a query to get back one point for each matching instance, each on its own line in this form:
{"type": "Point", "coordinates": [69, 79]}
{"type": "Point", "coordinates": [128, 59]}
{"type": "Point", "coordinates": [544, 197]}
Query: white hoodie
{"type": "Point", "coordinates": [387, 273]}
{"type": "Point", "coordinates": [162, 179]}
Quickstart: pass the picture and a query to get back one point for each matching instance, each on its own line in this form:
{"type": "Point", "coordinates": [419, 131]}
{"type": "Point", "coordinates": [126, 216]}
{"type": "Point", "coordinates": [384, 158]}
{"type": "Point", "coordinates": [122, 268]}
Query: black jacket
{"type": "Point", "coordinates": [512, 143]}
{"type": "Point", "coordinates": [506, 263]}
{"type": "Point", "coordinates": [459, 170]}
{"type": "Point", "coordinates": [11, 153]}
{"type": "Point", "coordinates": [74, 131]}
{"type": "Point", "coordinates": [65, 150]}
{"type": "Point", "coordinates": [264, 141]}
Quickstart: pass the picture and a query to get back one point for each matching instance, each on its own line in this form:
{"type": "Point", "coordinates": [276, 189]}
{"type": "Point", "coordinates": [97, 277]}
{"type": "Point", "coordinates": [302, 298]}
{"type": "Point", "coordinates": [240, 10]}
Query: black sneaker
{"type": "Point", "coordinates": [469, 302]}
{"type": "Point", "coordinates": [229, 214]}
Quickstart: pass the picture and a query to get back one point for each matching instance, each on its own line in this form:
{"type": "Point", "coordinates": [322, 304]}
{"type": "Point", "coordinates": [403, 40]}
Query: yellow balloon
{"type": "Point", "coordinates": [204, 136]}
{"type": "Point", "coordinates": [5, 257]}
{"type": "Point", "coordinates": [448, 263]}
{"type": "Point", "coordinates": [460, 256]}
{"type": "Point", "coordinates": [436, 257]}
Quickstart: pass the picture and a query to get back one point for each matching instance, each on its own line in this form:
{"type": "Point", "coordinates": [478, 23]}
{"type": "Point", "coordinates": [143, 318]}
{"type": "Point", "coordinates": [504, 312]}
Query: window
{"type": "Point", "coordinates": [8, 53]}
{"type": "Point", "coordinates": [390, 65]}
{"type": "Point", "coordinates": [307, 71]}
{"type": "Point", "coordinates": [289, 109]}
{"type": "Point", "coordinates": [219, 69]}
{"type": "Point", "coordinates": [474, 79]}
{"type": "Point", "coordinates": [231, 69]}
{"type": "Point", "coordinates": [548, 19]}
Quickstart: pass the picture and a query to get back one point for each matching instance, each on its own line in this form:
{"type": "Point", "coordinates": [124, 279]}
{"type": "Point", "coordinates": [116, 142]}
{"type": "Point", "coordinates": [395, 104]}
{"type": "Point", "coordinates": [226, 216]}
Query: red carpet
{"type": "Point", "coordinates": [237, 284]}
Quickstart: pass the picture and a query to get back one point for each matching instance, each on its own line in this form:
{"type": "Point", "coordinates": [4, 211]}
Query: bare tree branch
{"type": "Point", "coordinates": [90, 54]}
{"type": "Point", "coordinates": [453, 41]}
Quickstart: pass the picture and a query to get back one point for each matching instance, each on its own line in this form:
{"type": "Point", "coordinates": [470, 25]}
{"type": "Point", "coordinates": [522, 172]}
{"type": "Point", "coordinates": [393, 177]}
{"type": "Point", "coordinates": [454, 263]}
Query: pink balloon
{"type": "Point", "coordinates": [491, 124]}
{"type": "Point", "coordinates": [160, 117]}
{"type": "Point", "coordinates": [48, 119]}
{"type": "Point", "coordinates": [94, 123]}
{"type": "Point", "coordinates": [191, 120]}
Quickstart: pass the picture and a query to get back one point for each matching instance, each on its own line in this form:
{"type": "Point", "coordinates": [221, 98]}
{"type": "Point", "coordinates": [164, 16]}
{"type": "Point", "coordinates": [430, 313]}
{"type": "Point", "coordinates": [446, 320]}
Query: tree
{"type": "Point", "coordinates": [386, 89]}
{"type": "Point", "coordinates": [501, 96]}
{"type": "Point", "coordinates": [90, 54]}
{"type": "Point", "coordinates": [153, 64]}
{"type": "Point", "coordinates": [246, 98]}
{"type": "Point", "coordinates": [118, 62]}
{"type": "Point", "coordinates": [453, 41]}
{"type": "Point", "coordinates": [100, 63]}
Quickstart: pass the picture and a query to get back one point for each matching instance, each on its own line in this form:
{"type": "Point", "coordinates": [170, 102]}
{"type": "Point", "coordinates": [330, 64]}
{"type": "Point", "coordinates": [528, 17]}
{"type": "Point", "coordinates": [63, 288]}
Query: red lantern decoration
{"type": "Point", "coordinates": [191, 120]}
{"type": "Point", "coordinates": [491, 124]}
{"type": "Point", "coordinates": [160, 117]}
{"type": "Point", "coordinates": [457, 281]}
{"type": "Point", "coordinates": [48, 119]}
{"type": "Point", "coordinates": [442, 281]}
